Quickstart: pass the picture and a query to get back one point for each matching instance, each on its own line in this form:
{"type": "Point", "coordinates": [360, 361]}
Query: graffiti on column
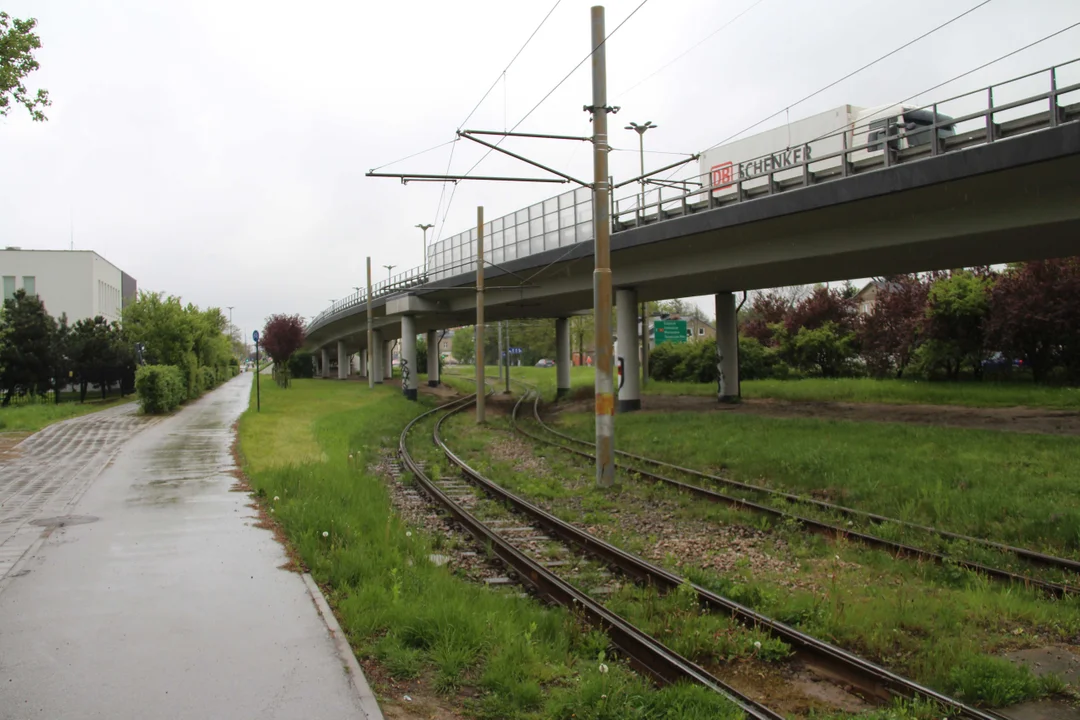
{"type": "Point", "coordinates": [719, 372]}
{"type": "Point", "coordinates": [404, 376]}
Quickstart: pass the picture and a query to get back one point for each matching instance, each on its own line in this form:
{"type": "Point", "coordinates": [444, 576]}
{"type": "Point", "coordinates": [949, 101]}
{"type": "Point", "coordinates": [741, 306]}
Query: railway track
{"type": "Point", "coordinates": [637, 464]}
{"type": "Point", "coordinates": [524, 536]}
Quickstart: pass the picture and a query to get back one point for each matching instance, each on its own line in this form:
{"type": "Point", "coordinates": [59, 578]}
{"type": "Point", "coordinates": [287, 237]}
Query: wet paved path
{"type": "Point", "coordinates": [166, 603]}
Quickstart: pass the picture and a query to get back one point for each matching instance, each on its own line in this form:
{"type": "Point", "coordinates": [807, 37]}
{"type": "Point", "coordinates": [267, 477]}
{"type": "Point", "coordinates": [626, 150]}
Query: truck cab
{"type": "Point", "coordinates": [895, 128]}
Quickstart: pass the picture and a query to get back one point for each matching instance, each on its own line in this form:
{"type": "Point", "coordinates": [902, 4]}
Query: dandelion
{"type": "Point", "coordinates": [408, 533]}
{"type": "Point", "coordinates": [271, 511]}
{"type": "Point", "coordinates": [276, 498]}
{"type": "Point", "coordinates": [836, 556]}
{"type": "Point", "coordinates": [757, 644]}
{"type": "Point", "coordinates": [325, 534]}
{"type": "Point", "coordinates": [603, 669]}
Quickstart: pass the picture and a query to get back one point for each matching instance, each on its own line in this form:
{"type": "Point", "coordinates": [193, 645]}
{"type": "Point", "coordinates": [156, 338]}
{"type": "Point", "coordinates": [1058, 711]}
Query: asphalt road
{"type": "Point", "coordinates": [155, 597]}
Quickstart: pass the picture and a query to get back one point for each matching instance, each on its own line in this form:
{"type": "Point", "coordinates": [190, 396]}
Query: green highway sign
{"type": "Point", "coordinates": [672, 331]}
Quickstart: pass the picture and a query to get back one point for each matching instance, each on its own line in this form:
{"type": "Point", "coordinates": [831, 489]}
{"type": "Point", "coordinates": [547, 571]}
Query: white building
{"type": "Point", "coordinates": [80, 283]}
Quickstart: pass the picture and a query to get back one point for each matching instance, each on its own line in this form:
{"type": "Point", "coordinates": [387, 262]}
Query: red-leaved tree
{"type": "Point", "coordinates": [282, 336]}
{"type": "Point", "coordinates": [767, 309]}
{"type": "Point", "coordinates": [1035, 316]}
{"type": "Point", "coordinates": [890, 333]}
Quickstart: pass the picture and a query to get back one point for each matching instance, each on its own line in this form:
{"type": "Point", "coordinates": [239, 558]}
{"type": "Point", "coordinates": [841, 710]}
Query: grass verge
{"type": "Point", "coordinates": [31, 418]}
{"type": "Point", "coordinates": [498, 655]}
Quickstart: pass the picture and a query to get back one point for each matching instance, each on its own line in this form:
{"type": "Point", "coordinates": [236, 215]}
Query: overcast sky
{"type": "Point", "coordinates": [216, 149]}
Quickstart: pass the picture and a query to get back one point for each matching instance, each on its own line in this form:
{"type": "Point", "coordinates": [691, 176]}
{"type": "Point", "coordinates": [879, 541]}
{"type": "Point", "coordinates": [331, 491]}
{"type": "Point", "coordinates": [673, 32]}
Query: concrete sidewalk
{"type": "Point", "coordinates": [164, 602]}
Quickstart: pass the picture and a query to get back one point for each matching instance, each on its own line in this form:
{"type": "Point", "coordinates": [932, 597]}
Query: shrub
{"type": "Point", "coordinates": [161, 388]}
{"type": "Point", "coordinates": [695, 361]}
{"type": "Point", "coordinates": [207, 381]}
{"type": "Point", "coordinates": [301, 365]}
{"type": "Point", "coordinates": [189, 369]}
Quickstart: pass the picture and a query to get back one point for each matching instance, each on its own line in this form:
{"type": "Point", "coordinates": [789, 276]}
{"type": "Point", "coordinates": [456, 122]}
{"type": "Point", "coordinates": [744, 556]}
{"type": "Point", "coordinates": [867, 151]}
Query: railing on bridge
{"type": "Point", "coordinates": [1039, 100]}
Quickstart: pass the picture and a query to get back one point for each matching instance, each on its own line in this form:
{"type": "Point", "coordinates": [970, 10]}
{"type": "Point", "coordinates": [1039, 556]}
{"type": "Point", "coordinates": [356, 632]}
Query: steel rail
{"type": "Point", "coordinates": [1050, 588]}
{"type": "Point", "coordinates": [829, 660]}
{"type": "Point", "coordinates": [1032, 556]}
{"type": "Point", "coordinates": [645, 652]}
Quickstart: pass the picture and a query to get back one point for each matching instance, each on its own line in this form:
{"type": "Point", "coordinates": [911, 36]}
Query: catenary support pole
{"type": "Point", "coordinates": [370, 333]}
{"type": "Point", "coordinates": [727, 348]}
{"type": "Point", "coordinates": [325, 370]}
{"type": "Point", "coordinates": [605, 390]}
{"type": "Point", "coordinates": [498, 326]}
{"type": "Point", "coordinates": [433, 358]}
{"type": "Point", "coordinates": [410, 374]}
{"type": "Point", "coordinates": [630, 377]}
{"type": "Point", "coordinates": [562, 357]}
{"type": "Point", "coordinates": [644, 344]}
{"type": "Point", "coordinates": [480, 409]}
{"type": "Point", "coordinates": [507, 363]}
{"type": "Point", "coordinates": [342, 361]}
{"type": "Point", "coordinates": [375, 371]}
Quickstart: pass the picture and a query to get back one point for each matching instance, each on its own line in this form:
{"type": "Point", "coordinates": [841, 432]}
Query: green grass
{"type": "Point", "coordinates": [940, 625]}
{"type": "Point", "coordinates": [31, 418]}
{"type": "Point", "coordinates": [307, 455]}
{"type": "Point", "coordinates": [854, 390]}
{"type": "Point", "coordinates": [1012, 487]}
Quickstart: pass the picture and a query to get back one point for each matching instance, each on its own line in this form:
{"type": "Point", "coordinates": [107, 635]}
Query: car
{"type": "Point", "coordinates": [544, 362]}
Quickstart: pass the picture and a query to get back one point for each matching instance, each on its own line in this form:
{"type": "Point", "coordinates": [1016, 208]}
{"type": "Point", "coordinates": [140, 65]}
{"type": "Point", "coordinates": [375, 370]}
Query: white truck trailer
{"type": "Point", "coordinates": [783, 151]}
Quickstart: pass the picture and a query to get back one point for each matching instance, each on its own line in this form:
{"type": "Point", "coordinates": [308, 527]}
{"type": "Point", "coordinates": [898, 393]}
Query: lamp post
{"type": "Point", "coordinates": [640, 130]}
{"type": "Point", "coordinates": [388, 269]}
{"type": "Point", "coordinates": [230, 309]}
{"type": "Point", "coordinates": [425, 228]}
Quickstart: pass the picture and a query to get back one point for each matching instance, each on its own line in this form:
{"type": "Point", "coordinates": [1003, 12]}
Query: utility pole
{"type": "Point", "coordinates": [644, 343]}
{"type": "Point", "coordinates": [425, 228]}
{"type": "Point", "coordinates": [232, 331]}
{"type": "Point", "coordinates": [480, 394]}
{"type": "Point", "coordinates": [605, 382]}
{"type": "Point", "coordinates": [370, 333]}
{"type": "Point", "coordinates": [499, 325]}
{"type": "Point", "coordinates": [507, 391]}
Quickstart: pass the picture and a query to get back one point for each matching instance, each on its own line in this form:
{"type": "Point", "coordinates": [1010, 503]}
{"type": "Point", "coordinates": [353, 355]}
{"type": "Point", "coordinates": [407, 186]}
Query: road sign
{"type": "Point", "coordinates": [255, 336]}
{"type": "Point", "coordinates": [515, 351]}
{"type": "Point", "coordinates": [669, 331]}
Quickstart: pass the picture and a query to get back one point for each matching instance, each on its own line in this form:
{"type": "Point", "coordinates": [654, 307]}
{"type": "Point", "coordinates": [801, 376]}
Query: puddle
{"type": "Point", "coordinates": [64, 520]}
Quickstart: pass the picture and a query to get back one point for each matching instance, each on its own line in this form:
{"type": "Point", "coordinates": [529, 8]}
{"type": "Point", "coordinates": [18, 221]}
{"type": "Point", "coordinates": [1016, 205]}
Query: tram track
{"type": "Point", "coordinates": [634, 463]}
{"type": "Point", "coordinates": [645, 652]}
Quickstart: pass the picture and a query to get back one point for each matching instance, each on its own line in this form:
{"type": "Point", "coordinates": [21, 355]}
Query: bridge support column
{"type": "Point", "coordinates": [433, 359]}
{"type": "Point", "coordinates": [342, 361]}
{"type": "Point", "coordinates": [388, 360]}
{"type": "Point", "coordinates": [628, 361]}
{"type": "Point", "coordinates": [409, 372]}
{"type": "Point", "coordinates": [377, 357]}
{"type": "Point", "coordinates": [361, 362]}
{"type": "Point", "coordinates": [562, 357]}
{"type": "Point", "coordinates": [324, 369]}
{"type": "Point", "coordinates": [727, 348]}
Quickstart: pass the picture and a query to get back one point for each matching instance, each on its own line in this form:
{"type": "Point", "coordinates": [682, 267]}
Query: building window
{"type": "Point", "coordinates": [9, 287]}
{"type": "Point", "coordinates": [701, 331]}
{"type": "Point", "coordinates": [29, 284]}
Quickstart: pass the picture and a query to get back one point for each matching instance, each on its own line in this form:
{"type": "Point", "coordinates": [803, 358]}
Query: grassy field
{"type": "Point", "coordinates": [31, 418]}
{"type": "Point", "coordinates": [855, 390]}
{"type": "Point", "coordinates": [309, 455]}
{"type": "Point", "coordinates": [1012, 487]}
{"type": "Point", "coordinates": [942, 626]}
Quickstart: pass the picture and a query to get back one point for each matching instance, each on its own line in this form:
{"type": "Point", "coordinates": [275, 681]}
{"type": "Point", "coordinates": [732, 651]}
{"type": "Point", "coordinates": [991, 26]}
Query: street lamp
{"type": "Point", "coordinates": [425, 228]}
{"type": "Point", "coordinates": [388, 269]}
{"type": "Point", "coordinates": [230, 309]}
{"type": "Point", "coordinates": [640, 130]}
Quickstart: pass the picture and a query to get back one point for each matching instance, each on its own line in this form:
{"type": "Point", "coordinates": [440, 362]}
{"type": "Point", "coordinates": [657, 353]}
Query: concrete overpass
{"type": "Point", "coordinates": [1010, 192]}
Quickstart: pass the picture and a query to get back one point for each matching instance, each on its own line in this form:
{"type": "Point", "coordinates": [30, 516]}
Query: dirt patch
{"type": "Point", "coordinates": [408, 699]}
{"type": "Point", "coordinates": [1012, 419]}
{"type": "Point", "coordinates": [789, 689]}
{"type": "Point", "coordinates": [8, 441]}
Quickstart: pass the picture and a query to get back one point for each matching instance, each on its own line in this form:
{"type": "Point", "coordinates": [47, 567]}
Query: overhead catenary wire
{"type": "Point", "coordinates": [853, 73]}
{"type": "Point", "coordinates": [686, 52]}
{"type": "Point", "coordinates": [415, 154]}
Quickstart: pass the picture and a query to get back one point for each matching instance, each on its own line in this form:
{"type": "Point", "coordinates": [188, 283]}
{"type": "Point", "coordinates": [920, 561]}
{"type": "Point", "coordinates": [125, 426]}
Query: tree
{"type": "Point", "coordinates": [1035, 316]}
{"type": "Point", "coordinates": [891, 333]}
{"type": "Point", "coordinates": [92, 352]}
{"type": "Point", "coordinates": [17, 45]}
{"type": "Point", "coordinates": [818, 333]}
{"type": "Point", "coordinates": [767, 309]}
{"type": "Point", "coordinates": [956, 308]}
{"type": "Point", "coordinates": [26, 354]}
{"type": "Point", "coordinates": [162, 326]}
{"type": "Point", "coordinates": [463, 345]}
{"type": "Point", "coordinates": [582, 328]}
{"type": "Point", "coordinates": [282, 336]}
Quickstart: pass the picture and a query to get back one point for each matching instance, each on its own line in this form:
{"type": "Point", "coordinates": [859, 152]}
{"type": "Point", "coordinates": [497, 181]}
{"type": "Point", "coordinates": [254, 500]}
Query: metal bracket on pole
{"type": "Point", "coordinates": [465, 134]}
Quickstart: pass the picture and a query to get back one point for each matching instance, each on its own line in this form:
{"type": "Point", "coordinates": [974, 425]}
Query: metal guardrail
{"type": "Point", "coordinates": [973, 127]}
{"type": "Point", "coordinates": [979, 127]}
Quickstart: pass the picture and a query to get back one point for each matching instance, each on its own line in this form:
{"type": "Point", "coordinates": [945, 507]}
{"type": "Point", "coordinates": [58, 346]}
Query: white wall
{"type": "Point", "coordinates": [80, 283]}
